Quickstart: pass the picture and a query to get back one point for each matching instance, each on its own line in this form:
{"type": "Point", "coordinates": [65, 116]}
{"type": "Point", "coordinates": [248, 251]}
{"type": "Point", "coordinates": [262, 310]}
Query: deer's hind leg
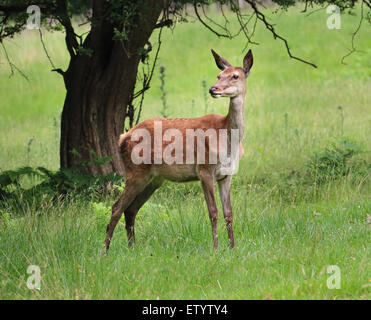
{"type": "Point", "coordinates": [133, 187]}
{"type": "Point", "coordinates": [139, 201]}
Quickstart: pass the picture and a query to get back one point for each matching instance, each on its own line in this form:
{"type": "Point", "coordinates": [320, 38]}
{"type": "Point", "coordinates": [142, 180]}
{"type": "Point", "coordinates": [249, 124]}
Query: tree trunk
{"type": "Point", "coordinates": [99, 84]}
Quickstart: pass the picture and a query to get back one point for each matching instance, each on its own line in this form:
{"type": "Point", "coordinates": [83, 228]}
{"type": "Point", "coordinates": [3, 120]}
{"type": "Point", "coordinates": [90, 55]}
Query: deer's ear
{"type": "Point", "coordinates": [220, 62]}
{"type": "Point", "coordinates": [247, 62]}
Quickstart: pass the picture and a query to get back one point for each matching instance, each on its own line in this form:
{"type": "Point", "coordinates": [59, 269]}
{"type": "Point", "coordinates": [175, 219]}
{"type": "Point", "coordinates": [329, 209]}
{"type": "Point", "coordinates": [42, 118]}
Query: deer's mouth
{"type": "Point", "coordinates": [216, 95]}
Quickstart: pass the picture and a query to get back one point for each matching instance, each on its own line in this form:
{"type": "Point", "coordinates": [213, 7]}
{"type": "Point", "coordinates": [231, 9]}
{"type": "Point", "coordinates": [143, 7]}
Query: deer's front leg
{"type": "Point", "coordinates": [224, 191]}
{"type": "Point", "coordinates": [207, 181]}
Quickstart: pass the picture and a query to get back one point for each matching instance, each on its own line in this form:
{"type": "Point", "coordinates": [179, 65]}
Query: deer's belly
{"type": "Point", "coordinates": [177, 172]}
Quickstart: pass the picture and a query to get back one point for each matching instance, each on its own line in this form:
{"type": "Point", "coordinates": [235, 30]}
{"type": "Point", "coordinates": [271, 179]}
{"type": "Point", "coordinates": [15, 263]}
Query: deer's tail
{"type": "Point", "coordinates": [122, 144]}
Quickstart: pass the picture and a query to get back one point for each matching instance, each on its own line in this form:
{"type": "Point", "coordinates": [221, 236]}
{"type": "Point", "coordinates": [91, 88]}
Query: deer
{"type": "Point", "coordinates": [143, 179]}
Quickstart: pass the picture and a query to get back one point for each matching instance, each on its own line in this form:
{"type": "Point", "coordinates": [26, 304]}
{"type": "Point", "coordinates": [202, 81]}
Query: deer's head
{"type": "Point", "coordinates": [232, 80]}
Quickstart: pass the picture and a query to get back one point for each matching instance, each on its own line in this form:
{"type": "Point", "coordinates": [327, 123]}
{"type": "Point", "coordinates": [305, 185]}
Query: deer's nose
{"type": "Point", "coordinates": [212, 90]}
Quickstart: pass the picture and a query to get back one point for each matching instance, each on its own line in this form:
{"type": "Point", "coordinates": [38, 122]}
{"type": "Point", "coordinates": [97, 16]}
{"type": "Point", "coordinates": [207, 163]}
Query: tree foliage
{"type": "Point", "coordinates": [123, 15]}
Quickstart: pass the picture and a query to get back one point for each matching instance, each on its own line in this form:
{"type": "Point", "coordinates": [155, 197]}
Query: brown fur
{"type": "Point", "coordinates": [143, 179]}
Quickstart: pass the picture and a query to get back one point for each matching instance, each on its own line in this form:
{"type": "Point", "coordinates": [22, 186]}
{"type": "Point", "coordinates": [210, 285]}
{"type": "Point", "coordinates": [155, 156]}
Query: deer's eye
{"type": "Point", "coordinates": [235, 76]}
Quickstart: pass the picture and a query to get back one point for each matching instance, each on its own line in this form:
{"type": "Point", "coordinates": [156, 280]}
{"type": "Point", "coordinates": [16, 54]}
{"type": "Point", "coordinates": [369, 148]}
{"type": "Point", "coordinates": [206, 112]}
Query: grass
{"type": "Point", "coordinates": [289, 225]}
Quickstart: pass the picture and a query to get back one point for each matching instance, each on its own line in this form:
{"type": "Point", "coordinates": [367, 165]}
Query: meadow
{"type": "Point", "coordinates": [301, 197]}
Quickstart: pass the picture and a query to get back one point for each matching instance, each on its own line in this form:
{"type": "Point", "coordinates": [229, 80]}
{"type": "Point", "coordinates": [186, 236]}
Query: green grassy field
{"type": "Point", "coordinates": [291, 221]}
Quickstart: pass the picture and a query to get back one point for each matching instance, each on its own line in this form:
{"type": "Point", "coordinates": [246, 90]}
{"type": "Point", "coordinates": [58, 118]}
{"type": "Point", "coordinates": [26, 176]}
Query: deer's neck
{"type": "Point", "coordinates": [236, 116]}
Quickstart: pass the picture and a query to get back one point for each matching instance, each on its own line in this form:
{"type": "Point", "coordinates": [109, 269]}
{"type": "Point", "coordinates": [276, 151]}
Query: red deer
{"type": "Point", "coordinates": [143, 178]}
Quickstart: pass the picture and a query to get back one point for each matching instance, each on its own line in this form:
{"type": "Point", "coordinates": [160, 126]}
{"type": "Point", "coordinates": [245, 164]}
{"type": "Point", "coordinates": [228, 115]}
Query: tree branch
{"type": "Point", "coordinates": [270, 27]}
{"type": "Point", "coordinates": [243, 25]}
{"type": "Point", "coordinates": [58, 70]}
{"type": "Point", "coordinates": [11, 64]}
{"type": "Point", "coordinates": [165, 23]}
{"type": "Point", "coordinates": [353, 49]}
{"type": "Point", "coordinates": [208, 27]}
{"type": "Point", "coordinates": [63, 18]}
{"type": "Point", "coordinates": [225, 28]}
{"type": "Point", "coordinates": [147, 79]}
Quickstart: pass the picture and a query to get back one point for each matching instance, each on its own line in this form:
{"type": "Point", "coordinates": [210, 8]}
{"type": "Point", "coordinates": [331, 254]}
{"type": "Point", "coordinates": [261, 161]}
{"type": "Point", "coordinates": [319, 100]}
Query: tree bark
{"type": "Point", "coordinates": [99, 86]}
